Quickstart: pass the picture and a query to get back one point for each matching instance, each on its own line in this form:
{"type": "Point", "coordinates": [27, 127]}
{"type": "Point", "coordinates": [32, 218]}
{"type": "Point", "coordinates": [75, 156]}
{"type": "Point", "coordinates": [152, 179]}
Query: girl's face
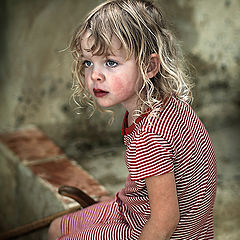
{"type": "Point", "coordinates": [111, 79]}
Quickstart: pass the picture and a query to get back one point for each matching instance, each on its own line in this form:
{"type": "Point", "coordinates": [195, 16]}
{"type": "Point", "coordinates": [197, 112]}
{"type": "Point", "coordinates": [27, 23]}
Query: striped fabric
{"type": "Point", "coordinates": [175, 141]}
{"type": "Point", "coordinates": [99, 221]}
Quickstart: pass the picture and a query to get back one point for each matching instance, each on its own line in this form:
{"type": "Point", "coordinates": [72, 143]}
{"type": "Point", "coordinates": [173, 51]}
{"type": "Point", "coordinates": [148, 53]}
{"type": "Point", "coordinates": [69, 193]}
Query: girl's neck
{"type": "Point", "coordinates": [130, 107]}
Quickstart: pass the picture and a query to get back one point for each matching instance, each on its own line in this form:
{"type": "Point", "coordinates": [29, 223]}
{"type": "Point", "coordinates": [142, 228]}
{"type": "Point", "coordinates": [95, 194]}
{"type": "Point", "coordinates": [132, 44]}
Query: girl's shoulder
{"type": "Point", "coordinates": [169, 117]}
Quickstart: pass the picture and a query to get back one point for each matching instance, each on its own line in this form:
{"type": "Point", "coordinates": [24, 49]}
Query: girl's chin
{"type": "Point", "coordinates": [105, 102]}
{"type": "Point", "coordinates": [105, 105]}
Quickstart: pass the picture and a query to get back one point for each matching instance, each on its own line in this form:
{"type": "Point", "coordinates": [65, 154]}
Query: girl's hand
{"type": "Point", "coordinates": [164, 207]}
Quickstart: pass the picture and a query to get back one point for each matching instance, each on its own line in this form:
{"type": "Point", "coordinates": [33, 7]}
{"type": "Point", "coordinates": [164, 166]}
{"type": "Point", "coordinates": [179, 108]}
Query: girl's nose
{"type": "Point", "coordinates": [97, 76]}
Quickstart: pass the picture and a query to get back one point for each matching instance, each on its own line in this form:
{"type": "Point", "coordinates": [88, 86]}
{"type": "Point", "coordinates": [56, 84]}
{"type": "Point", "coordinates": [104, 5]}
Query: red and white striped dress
{"type": "Point", "coordinates": [175, 141]}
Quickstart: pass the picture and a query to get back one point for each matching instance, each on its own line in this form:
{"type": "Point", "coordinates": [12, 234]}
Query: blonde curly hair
{"type": "Point", "coordinates": [142, 31]}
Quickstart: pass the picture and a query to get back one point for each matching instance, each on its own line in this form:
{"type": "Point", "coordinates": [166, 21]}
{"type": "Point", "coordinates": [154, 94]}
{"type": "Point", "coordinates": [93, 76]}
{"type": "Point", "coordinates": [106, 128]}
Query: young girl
{"type": "Point", "coordinates": [125, 54]}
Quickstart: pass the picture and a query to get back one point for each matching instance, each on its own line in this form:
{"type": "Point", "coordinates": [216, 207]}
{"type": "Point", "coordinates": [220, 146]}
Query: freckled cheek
{"type": "Point", "coordinates": [122, 87]}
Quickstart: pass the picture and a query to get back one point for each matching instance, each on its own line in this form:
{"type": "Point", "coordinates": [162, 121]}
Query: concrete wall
{"type": "Point", "coordinates": [32, 168]}
{"type": "Point", "coordinates": [35, 75]}
{"type": "Point", "coordinates": [24, 196]}
{"type": "Point", "coordinates": [35, 80]}
{"type": "Point", "coordinates": [210, 35]}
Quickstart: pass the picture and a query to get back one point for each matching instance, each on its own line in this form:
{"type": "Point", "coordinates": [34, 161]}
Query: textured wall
{"type": "Point", "coordinates": [35, 75]}
{"type": "Point", "coordinates": [35, 81]}
{"type": "Point", "coordinates": [210, 35]}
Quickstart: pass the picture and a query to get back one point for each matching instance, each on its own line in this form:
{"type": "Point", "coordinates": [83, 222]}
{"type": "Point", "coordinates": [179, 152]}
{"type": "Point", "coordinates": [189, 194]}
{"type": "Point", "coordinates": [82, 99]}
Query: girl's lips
{"type": "Point", "coordinates": [99, 92]}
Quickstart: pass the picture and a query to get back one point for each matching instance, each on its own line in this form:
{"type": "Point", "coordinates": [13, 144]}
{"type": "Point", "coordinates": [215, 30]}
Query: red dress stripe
{"type": "Point", "coordinates": [174, 141]}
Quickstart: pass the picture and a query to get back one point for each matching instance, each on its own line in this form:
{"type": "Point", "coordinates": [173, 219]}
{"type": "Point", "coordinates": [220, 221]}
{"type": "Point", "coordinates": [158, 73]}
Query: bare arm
{"type": "Point", "coordinates": [164, 208]}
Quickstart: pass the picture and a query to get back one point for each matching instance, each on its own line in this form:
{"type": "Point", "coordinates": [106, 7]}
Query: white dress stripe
{"type": "Point", "coordinates": [174, 141]}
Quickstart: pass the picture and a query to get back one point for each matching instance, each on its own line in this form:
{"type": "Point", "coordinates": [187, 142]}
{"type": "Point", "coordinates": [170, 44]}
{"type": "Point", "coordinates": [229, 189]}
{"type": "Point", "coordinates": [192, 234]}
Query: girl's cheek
{"type": "Point", "coordinates": [122, 87]}
{"type": "Point", "coordinates": [120, 82]}
{"type": "Point", "coordinates": [118, 85]}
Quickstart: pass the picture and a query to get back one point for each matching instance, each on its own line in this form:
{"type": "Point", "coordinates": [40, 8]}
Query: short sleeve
{"type": "Point", "coordinates": [152, 156]}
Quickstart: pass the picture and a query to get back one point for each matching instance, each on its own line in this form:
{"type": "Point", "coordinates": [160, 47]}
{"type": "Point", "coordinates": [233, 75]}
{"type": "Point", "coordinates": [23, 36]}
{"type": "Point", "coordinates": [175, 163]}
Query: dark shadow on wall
{"type": "Point", "coordinates": [3, 39]}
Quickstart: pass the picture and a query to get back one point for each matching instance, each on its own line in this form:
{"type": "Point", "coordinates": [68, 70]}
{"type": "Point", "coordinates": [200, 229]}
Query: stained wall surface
{"type": "Point", "coordinates": [35, 69]}
{"type": "Point", "coordinates": [35, 76]}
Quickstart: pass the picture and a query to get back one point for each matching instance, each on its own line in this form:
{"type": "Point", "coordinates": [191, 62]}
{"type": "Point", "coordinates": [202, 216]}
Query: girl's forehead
{"type": "Point", "coordinates": [88, 41]}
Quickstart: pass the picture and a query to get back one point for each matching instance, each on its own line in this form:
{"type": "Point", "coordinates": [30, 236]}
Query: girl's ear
{"type": "Point", "coordinates": [154, 65]}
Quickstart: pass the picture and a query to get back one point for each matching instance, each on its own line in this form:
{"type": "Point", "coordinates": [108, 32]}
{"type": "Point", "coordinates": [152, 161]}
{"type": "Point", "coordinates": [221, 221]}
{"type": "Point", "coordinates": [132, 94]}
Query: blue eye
{"type": "Point", "coordinates": [87, 63]}
{"type": "Point", "coordinates": [111, 63]}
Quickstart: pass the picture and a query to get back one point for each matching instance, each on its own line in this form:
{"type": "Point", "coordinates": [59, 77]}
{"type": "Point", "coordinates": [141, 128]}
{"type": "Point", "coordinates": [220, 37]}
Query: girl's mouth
{"type": "Point", "coordinates": [99, 92]}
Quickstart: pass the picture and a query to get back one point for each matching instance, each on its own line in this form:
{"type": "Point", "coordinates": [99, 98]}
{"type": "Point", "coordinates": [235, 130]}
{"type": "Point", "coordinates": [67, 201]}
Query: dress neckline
{"type": "Point", "coordinates": [128, 129]}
